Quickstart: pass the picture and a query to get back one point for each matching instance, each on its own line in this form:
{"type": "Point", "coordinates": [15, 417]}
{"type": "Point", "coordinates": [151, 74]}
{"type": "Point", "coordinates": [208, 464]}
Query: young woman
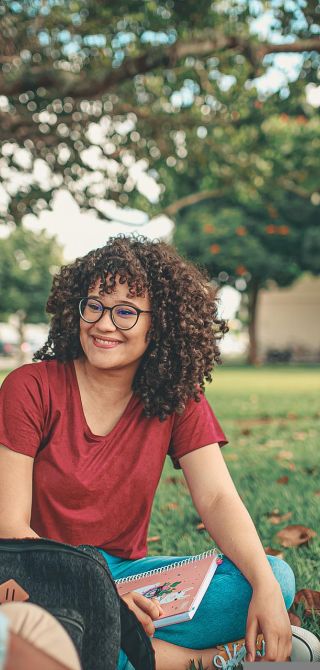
{"type": "Point", "coordinates": [85, 433]}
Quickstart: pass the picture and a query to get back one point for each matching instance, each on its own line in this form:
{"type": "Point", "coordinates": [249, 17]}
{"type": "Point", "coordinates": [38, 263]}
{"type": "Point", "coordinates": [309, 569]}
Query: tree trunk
{"type": "Point", "coordinates": [253, 294]}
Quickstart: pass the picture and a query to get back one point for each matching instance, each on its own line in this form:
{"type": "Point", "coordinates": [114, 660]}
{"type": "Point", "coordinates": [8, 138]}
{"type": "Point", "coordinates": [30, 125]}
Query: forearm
{"type": "Point", "coordinates": [16, 530]}
{"type": "Point", "coordinates": [230, 525]}
{"type": "Point", "coordinates": [22, 655]}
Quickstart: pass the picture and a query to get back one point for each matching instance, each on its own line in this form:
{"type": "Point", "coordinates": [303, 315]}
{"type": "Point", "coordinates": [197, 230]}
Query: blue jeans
{"type": "Point", "coordinates": [222, 614]}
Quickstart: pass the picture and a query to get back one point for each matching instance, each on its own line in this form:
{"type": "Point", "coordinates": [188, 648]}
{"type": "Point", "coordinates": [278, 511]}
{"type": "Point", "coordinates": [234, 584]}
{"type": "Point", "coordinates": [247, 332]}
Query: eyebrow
{"type": "Point", "coordinates": [121, 302]}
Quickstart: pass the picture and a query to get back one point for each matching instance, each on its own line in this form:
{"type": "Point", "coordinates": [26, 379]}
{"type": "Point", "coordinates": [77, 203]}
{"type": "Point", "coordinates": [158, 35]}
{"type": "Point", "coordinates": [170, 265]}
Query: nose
{"type": "Point", "coordinates": [106, 323]}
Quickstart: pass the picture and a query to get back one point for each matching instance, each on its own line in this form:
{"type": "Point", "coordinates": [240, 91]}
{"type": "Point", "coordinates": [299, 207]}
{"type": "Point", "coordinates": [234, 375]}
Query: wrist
{"type": "Point", "coordinates": [267, 584]}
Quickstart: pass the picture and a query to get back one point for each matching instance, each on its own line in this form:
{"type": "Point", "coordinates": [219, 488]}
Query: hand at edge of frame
{"type": "Point", "coordinates": [145, 609]}
{"type": "Point", "coordinates": [267, 614]}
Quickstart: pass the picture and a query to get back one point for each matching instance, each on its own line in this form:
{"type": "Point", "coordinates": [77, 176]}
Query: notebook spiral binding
{"type": "Point", "coordinates": [157, 571]}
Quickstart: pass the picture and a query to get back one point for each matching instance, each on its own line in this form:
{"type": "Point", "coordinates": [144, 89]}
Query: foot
{"type": "Point", "coordinates": [305, 645]}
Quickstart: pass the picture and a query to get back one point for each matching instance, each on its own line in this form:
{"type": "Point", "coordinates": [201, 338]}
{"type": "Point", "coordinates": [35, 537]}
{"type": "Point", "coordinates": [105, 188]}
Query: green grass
{"type": "Point", "coordinates": [271, 416]}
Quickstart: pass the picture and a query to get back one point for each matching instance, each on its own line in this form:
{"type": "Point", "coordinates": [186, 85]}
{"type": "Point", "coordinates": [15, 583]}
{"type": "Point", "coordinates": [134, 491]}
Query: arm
{"type": "Point", "coordinates": [15, 494]}
{"type": "Point", "coordinates": [22, 655]}
{"type": "Point", "coordinates": [231, 527]}
{"type": "Point", "coordinates": [223, 512]}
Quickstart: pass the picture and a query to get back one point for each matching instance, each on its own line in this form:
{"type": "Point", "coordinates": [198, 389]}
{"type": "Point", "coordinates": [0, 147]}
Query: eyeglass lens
{"type": "Point", "coordinates": [124, 316]}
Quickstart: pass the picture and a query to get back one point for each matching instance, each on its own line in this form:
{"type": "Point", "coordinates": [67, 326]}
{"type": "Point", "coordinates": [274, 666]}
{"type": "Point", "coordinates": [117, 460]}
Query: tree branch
{"type": "Point", "coordinates": [192, 199]}
{"type": "Point", "coordinates": [195, 198]}
{"type": "Point", "coordinates": [67, 83]}
{"type": "Point", "coordinates": [300, 46]}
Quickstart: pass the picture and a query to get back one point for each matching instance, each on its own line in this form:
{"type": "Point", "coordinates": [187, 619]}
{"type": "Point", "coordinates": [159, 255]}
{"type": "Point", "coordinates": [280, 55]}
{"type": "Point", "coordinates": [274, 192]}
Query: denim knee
{"type": "Point", "coordinates": [284, 575]}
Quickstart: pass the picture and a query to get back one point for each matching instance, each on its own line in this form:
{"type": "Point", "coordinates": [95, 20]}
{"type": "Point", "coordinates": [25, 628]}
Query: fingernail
{"type": "Point", "coordinates": [249, 658]}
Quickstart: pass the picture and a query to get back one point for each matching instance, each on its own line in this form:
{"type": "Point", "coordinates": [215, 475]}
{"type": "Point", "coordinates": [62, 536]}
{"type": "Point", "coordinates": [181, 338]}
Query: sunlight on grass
{"type": "Point", "coordinates": [271, 418]}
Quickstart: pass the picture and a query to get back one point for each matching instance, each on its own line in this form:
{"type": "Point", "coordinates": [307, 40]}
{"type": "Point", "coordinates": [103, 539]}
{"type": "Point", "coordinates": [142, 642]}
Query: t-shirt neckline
{"type": "Point", "coordinates": [87, 429]}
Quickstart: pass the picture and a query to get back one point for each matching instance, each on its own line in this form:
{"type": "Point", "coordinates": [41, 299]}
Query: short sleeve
{"type": "Point", "coordinates": [196, 427]}
{"type": "Point", "coordinates": [22, 413]}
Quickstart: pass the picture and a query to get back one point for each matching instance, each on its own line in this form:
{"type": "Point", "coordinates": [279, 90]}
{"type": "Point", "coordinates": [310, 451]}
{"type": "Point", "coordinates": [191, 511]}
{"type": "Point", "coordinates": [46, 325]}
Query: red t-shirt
{"type": "Point", "coordinates": [93, 489]}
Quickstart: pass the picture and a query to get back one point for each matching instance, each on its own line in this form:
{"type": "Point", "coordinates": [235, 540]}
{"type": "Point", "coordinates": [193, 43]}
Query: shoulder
{"type": "Point", "coordinates": [23, 375]}
{"type": "Point", "coordinates": [38, 372]}
{"type": "Point", "coordinates": [34, 381]}
{"type": "Point", "coordinates": [196, 427]}
{"type": "Point", "coordinates": [194, 408]}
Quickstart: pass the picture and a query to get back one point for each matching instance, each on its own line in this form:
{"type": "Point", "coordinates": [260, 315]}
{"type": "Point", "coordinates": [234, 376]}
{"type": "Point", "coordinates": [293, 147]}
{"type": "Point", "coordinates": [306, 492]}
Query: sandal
{"type": "Point", "coordinates": [233, 653]}
{"type": "Point", "coordinates": [305, 648]}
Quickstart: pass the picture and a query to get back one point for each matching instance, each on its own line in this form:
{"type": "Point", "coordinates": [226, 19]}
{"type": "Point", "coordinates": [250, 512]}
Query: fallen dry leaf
{"type": "Point", "coordinates": [201, 526]}
{"type": "Point", "coordinates": [310, 599]}
{"type": "Point", "coordinates": [153, 538]}
{"type": "Point", "coordinates": [171, 505]}
{"type": "Point", "coordinates": [294, 619]}
{"type": "Point", "coordinates": [278, 518]}
{"type": "Point", "coordinates": [171, 480]}
{"type": "Point", "coordinates": [274, 443]}
{"type": "Point", "coordinates": [291, 415]}
{"type": "Point", "coordinates": [300, 436]}
{"type": "Point", "coordinates": [231, 457]}
{"type": "Point", "coordinates": [288, 466]}
{"type": "Point", "coordinates": [274, 552]}
{"type": "Point", "coordinates": [317, 493]}
{"type": "Point", "coordinates": [283, 480]}
{"type": "Point", "coordinates": [246, 431]}
{"type": "Point", "coordinates": [286, 455]}
{"type": "Point", "coordinates": [295, 535]}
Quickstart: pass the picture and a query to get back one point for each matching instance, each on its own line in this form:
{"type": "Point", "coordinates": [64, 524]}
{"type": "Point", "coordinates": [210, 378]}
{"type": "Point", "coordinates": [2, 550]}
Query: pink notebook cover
{"type": "Point", "coordinates": [179, 587]}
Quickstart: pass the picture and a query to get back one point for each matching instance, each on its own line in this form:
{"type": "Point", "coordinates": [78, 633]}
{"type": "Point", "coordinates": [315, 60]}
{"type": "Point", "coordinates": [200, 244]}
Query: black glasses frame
{"type": "Point", "coordinates": [110, 309]}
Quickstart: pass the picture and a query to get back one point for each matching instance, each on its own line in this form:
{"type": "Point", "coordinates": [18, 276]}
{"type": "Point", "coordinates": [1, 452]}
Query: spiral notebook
{"type": "Point", "coordinates": [179, 587]}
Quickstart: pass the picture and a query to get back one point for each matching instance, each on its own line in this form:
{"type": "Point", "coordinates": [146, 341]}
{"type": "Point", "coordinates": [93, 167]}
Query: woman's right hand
{"type": "Point", "coordinates": [145, 609]}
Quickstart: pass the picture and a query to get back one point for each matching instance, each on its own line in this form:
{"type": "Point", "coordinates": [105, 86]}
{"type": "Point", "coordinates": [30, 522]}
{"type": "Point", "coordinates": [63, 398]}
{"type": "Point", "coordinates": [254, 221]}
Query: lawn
{"type": "Point", "coordinates": [271, 417]}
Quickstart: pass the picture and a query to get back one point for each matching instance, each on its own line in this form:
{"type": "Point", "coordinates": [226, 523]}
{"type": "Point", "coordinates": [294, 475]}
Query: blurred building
{"type": "Point", "coordinates": [288, 323]}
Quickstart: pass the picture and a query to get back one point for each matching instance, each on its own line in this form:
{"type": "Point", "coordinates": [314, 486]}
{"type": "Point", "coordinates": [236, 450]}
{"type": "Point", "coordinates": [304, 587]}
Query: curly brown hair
{"type": "Point", "coordinates": [185, 328]}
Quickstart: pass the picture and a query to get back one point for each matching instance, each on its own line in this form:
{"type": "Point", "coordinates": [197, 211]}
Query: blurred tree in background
{"type": "Point", "coordinates": [87, 83]}
{"type": "Point", "coordinates": [27, 263]}
{"type": "Point", "coordinates": [94, 93]}
{"type": "Point", "coordinates": [266, 228]}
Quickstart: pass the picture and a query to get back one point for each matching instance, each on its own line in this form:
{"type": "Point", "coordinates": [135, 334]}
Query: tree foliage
{"type": "Point", "coordinates": [27, 262]}
{"type": "Point", "coordinates": [138, 81]}
{"type": "Point", "coordinates": [93, 94]}
{"type": "Point", "coordinates": [266, 227]}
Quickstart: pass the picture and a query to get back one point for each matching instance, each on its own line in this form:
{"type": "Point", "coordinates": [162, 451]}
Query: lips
{"type": "Point", "coordinates": [105, 343]}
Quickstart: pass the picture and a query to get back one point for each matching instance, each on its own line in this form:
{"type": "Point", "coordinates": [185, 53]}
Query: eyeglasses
{"type": "Point", "coordinates": [123, 317]}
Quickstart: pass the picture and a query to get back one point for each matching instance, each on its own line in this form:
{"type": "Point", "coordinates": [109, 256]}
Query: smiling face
{"type": "Point", "coordinates": [107, 347]}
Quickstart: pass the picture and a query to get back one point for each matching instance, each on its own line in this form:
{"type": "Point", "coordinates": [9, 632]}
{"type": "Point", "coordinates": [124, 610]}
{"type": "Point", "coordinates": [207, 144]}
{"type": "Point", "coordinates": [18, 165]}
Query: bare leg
{"type": "Point", "coordinates": [171, 657]}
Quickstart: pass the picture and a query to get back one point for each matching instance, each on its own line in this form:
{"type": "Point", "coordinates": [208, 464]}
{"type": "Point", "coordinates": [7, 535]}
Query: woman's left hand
{"type": "Point", "coordinates": [267, 614]}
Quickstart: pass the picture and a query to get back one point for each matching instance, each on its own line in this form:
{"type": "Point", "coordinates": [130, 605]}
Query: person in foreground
{"type": "Point", "coordinates": [85, 432]}
{"type": "Point", "coordinates": [32, 639]}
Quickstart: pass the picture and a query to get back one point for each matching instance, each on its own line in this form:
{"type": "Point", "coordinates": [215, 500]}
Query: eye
{"type": "Point", "coordinates": [125, 311]}
{"type": "Point", "coordinates": [94, 306]}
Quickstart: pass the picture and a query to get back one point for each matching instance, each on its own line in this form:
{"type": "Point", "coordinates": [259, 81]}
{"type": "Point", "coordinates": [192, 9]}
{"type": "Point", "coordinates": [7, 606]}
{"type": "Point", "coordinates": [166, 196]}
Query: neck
{"type": "Point", "coordinates": [107, 384]}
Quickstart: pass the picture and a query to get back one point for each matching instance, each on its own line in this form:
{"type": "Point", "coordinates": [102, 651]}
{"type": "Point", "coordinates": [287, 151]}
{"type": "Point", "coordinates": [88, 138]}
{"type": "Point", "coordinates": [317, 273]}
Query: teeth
{"type": "Point", "coordinates": [98, 339]}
